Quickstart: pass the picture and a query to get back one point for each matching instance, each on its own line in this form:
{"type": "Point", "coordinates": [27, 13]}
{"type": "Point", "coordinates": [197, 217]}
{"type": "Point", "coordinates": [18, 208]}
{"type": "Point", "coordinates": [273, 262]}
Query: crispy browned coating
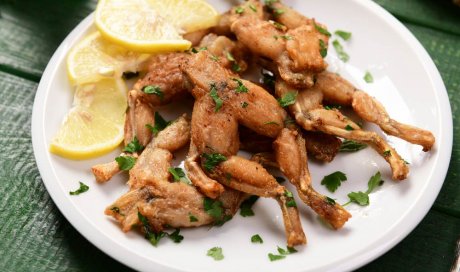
{"type": "Point", "coordinates": [216, 131]}
{"type": "Point", "coordinates": [162, 202]}
{"type": "Point", "coordinates": [339, 91]}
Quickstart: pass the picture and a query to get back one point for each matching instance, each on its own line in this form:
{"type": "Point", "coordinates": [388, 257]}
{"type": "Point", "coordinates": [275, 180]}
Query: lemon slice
{"type": "Point", "coordinates": [94, 126]}
{"type": "Point", "coordinates": [188, 15]}
{"type": "Point", "coordinates": [137, 26]}
{"type": "Point", "coordinates": [94, 58]}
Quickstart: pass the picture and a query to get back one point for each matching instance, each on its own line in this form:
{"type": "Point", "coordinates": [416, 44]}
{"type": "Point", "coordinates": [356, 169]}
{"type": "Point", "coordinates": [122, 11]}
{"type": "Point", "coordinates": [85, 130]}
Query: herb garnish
{"type": "Point", "coordinates": [257, 239]}
{"type": "Point", "coordinates": [239, 10]}
{"type": "Point", "coordinates": [322, 48]}
{"type": "Point", "coordinates": [349, 128]}
{"type": "Point", "coordinates": [125, 163]}
{"type": "Point", "coordinates": [214, 58]}
{"type": "Point", "coordinates": [160, 124]}
{"type": "Point", "coordinates": [192, 218]}
{"type": "Point", "coordinates": [215, 253]}
{"type": "Point", "coordinates": [133, 146]}
{"type": "Point", "coordinates": [387, 153]}
{"type": "Point", "coordinates": [241, 88]}
{"type": "Point", "coordinates": [362, 198]}
{"type": "Point", "coordinates": [153, 89]}
{"type": "Point", "coordinates": [235, 66]}
{"type": "Point", "coordinates": [216, 211]}
{"type": "Point", "coordinates": [330, 201]}
{"type": "Point", "coordinates": [244, 104]}
{"type": "Point", "coordinates": [351, 146]}
{"type": "Point", "coordinates": [194, 50]}
{"type": "Point", "coordinates": [83, 188]}
{"type": "Point", "coordinates": [278, 12]}
{"type": "Point", "coordinates": [216, 97]}
{"type": "Point", "coordinates": [287, 99]}
{"type": "Point", "coordinates": [343, 34]}
{"type": "Point", "coordinates": [340, 52]}
{"type": "Point", "coordinates": [153, 237]}
{"type": "Point", "coordinates": [277, 25]}
{"type": "Point", "coordinates": [253, 8]}
{"type": "Point", "coordinates": [333, 181]}
{"type": "Point", "coordinates": [322, 30]}
{"type": "Point", "coordinates": [290, 202]}
{"type": "Point", "coordinates": [271, 123]}
{"type": "Point", "coordinates": [179, 175]}
{"type": "Point", "coordinates": [212, 160]}
{"type": "Point", "coordinates": [246, 206]}
{"type": "Point", "coordinates": [284, 37]}
{"type": "Point", "coordinates": [368, 77]}
{"type": "Point", "coordinates": [283, 253]}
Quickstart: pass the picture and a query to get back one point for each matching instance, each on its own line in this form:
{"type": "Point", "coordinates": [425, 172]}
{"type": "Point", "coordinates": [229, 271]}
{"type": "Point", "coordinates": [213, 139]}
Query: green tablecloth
{"type": "Point", "coordinates": [34, 236]}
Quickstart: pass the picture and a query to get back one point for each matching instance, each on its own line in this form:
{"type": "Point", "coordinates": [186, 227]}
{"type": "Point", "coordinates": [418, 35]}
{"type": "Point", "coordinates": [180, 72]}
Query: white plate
{"type": "Point", "coordinates": [406, 82]}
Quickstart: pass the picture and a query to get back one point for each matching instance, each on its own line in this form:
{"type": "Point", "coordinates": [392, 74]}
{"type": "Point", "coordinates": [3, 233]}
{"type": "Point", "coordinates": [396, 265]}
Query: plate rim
{"type": "Point", "coordinates": [139, 262]}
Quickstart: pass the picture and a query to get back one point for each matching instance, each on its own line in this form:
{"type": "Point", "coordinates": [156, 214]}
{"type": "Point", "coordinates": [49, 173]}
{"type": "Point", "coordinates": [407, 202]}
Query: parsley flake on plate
{"type": "Point", "coordinates": [345, 35]}
{"type": "Point", "coordinates": [351, 146]}
{"type": "Point", "coordinates": [368, 77]}
{"type": "Point", "coordinates": [83, 188]}
{"type": "Point", "coordinates": [334, 180]}
{"type": "Point", "coordinates": [257, 239]}
{"type": "Point", "coordinates": [215, 253]}
{"type": "Point", "coordinates": [212, 160]}
{"type": "Point", "coordinates": [340, 51]}
{"type": "Point", "coordinates": [362, 198]}
{"type": "Point", "coordinates": [246, 206]}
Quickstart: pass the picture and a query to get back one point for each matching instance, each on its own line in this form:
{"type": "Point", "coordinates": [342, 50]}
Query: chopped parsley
{"type": "Point", "coordinates": [340, 52]}
{"type": "Point", "coordinates": [216, 97]}
{"type": "Point", "coordinates": [271, 123]}
{"type": "Point", "coordinates": [160, 124]}
{"type": "Point", "coordinates": [153, 89]}
{"type": "Point", "coordinates": [368, 77]}
{"type": "Point", "coordinates": [362, 198]}
{"type": "Point", "coordinates": [253, 8]}
{"type": "Point", "coordinates": [349, 128]}
{"type": "Point", "coordinates": [351, 146]}
{"type": "Point", "coordinates": [235, 66]}
{"type": "Point", "coordinates": [214, 58]}
{"type": "Point", "coordinates": [213, 208]}
{"type": "Point", "coordinates": [270, 2]}
{"type": "Point", "coordinates": [246, 206]}
{"type": "Point", "coordinates": [179, 175]}
{"type": "Point", "coordinates": [175, 236]}
{"type": "Point", "coordinates": [290, 202]}
{"type": "Point", "coordinates": [387, 153]}
{"type": "Point", "coordinates": [282, 253]}
{"type": "Point", "coordinates": [257, 239]}
{"type": "Point", "coordinates": [241, 88]}
{"type": "Point", "coordinates": [287, 99]}
{"type": "Point", "coordinates": [83, 188]}
{"type": "Point", "coordinates": [330, 107]}
{"type": "Point", "coordinates": [343, 34]}
{"type": "Point", "coordinates": [334, 180]}
{"type": "Point", "coordinates": [153, 237]}
{"type": "Point", "coordinates": [125, 163]}
{"type": "Point", "coordinates": [322, 48]}
{"type": "Point", "coordinates": [322, 30]}
{"type": "Point", "coordinates": [194, 50]}
{"type": "Point", "coordinates": [239, 10]}
{"type": "Point", "coordinates": [278, 12]}
{"type": "Point", "coordinates": [330, 201]}
{"type": "Point", "coordinates": [215, 253]}
{"type": "Point", "coordinates": [244, 105]}
{"type": "Point", "coordinates": [192, 218]}
{"type": "Point", "coordinates": [277, 25]}
{"type": "Point", "coordinates": [133, 146]}
{"type": "Point", "coordinates": [212, 160]}
{"type": "Point", "coordinates": [284, 37]}
{"type": "Point", "coordinates": [273, 257]}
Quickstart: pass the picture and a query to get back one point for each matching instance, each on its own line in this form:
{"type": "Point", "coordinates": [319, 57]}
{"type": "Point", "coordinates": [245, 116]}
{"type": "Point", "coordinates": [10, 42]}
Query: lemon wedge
{"type": "Point", "coordinates": [137, 26]}
{"type": "Point", "coordinates": [94, 126]}
{"type": "Point", "coordinates": [187, 15]}
{"type": "Point", "coordinates": [94, 58]}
